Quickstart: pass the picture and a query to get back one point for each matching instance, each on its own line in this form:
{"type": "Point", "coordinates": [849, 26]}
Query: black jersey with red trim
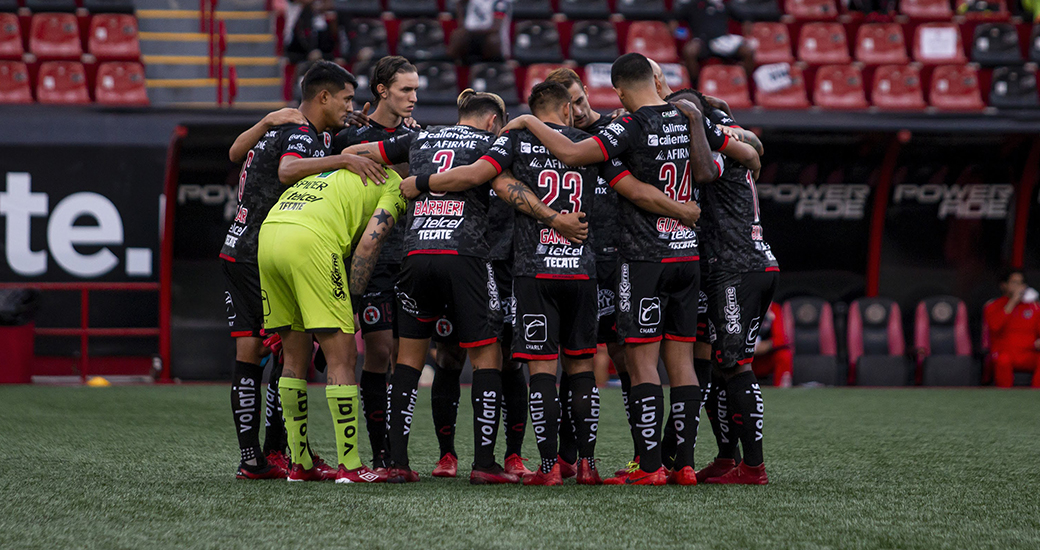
{"type": "Point", "coordinates": [444, 223]}
{"type": "Point", "coordinates": [541, 252]}
{"type": "Point", "coordinates": [259, 187]}
{"type": "Point", "coordinates": [393, 248]}
{"type": "Point", "coordinates": [730, 217]}
{"type": "Point", "coordinates": [603, 221]}
{"type": "Point", "coordinates": [654, 145]}
{"type": "Point", "coordinates": [501, 218]}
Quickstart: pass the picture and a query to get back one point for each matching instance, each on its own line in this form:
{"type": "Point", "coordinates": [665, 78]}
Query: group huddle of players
{"type": "Point", "coordinates": [525, 241]}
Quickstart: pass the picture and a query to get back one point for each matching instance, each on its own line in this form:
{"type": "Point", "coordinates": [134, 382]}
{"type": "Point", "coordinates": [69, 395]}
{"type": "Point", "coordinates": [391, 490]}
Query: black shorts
{"type": "Point", "coordinates": [504, 280]}
{"type": "Point", "coordinates": [736, 304]}
{"type": "Point", "coordinates": [606, 277]}
{"type": "Point", "coordinates": [657, 299]}
{"type": "Point", "coordinates": [244, 299]}
{"type": "Point", "coordinates": [551, 314]}
{"type": "Point", "coordinates": [377, 307]}
{"type": "Point", "coordinates": [461, 288]}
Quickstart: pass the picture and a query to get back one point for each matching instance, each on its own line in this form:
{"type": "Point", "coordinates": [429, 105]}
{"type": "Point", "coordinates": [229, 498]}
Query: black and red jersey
{"type": "Point", "coordinates": [603, 221]}
{"type": "Point", "coordinates": [654, 145]}
{"type": "Point", "coordinates": [444, 223]}
{"type": "Point", "coordinates": [259, 187]}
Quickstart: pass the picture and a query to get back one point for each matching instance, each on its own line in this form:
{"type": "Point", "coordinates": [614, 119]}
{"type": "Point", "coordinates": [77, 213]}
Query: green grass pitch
{"type": "Point", "coordinates": [152, 467]}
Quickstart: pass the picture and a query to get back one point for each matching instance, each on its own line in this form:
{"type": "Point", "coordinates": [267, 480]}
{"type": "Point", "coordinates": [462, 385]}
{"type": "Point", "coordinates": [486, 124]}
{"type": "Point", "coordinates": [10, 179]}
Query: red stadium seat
{"type": "Point", "coordinates": [943, 343]}
{"type": "Point", "coordinates": [728, 83]}
{"type": "Point", "coordinates": [809, 323]}
{"type": "Point", "coordinates": [938, 43]}
{"type": "Point", "coordinates": [938, 10]}
{"type": "Point", "coordinates": [121, 83]}
{"type": "Point", "coordinates": [675, 75]}
{"type": "Point", "coordinates": [876, 344]}
{"type": "Point", "coordinates": [535, 75]}
{"type": "Point", "coordinates": [811, 9]}
{"type": "Point", "coordinates": [773, 43]}
{"type": "Point", "coordinates": [55, 36]}
{"type": "Point", "coordinates": [785, 93]}
{"type": "Point", "coordinates": [652, 39]}
{"type": "Point", "coordinates": [601, 92]}
{"type": "Point", "coordinates": [14, 83]}
{"type": "Point", "coordinates": [821, 43]}
{"type": "Point", "coordinates": [898, 88]}
{"type": "Point", "coordinates": [10, 37]}
{"type": "Point", "coordinates": [114, 36]}
{"type": "Point", "coordinates": [839, 87]}
{"type": "Point", "coordinates": [956, 88]}
{"type": "Point", "coordinates": [880, 43]}
{"type": "Point", "coordinates": [62, 82]}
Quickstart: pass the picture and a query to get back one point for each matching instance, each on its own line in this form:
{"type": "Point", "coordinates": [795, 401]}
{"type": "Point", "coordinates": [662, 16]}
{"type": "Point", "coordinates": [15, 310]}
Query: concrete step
{"type": "Point", "coordinates": [170, 71]}
{"type": "Point", "coordinates": [203, 95]}
{"type": "Point", "coordinates": [185, 24]}
{"type": "Point", "coordinates": [253, 45]}
{"type": "Point", "coordinates": [222, 5]}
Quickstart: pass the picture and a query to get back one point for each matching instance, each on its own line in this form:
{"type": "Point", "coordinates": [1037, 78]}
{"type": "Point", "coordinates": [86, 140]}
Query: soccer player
{"type": "Point", "coordinates": [394, 83]}
{"type": "Point", "coordinates": [279, 156]}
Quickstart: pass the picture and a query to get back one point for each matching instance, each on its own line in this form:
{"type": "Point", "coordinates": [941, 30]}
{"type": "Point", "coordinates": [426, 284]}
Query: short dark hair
{"type": "Point", "coordinates": [565, 76]}
{"type": "Point", "coordinates": [547, 96]}
{"type": "Point", "coordinates": [691, 94]}
{"type": "Point", "coordinates": [386, 70]}
{"type": "Point", "coordinates": [325, 75]}
{"type": "Point", "coordinates": [631, 68]}
{"type": "Point", "coordinates": [1008, 271]}
{"type": "Point", "coordinates": [473, 103]}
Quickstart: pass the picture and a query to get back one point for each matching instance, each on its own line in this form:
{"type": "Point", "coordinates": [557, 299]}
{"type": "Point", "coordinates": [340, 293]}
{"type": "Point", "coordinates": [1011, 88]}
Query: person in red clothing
{"type": "Point", "coordinates": [773, 349]}
{"type": "Point", "coordinates": [1014, 328]}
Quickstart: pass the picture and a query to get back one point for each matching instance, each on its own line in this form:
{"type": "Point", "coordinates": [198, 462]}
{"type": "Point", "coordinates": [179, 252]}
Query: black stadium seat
{"type": "Point", "coordinates": [996, 44]}
{"type": "Point", "coordinates": [413, 8]}
{"type": "Point", "coordinates": [1014, 88]}
{"type": "Point", "coordinates": [643, 9]}
{"type": "Point", "coordinates": [943, 342]}
{"type": "Point", "coordinates": [360, 8]}
{"type": "Point", "coordinates": [594, 42]}
{"type": "Point", "coordinates": [585, 9]}
{"type": "Point", "coordinates": [109, 6]}
{"type": "Point", "coordinates": [532, 9]}
{"type": "Point", "coordinates": [363, 72]}
{"type": "Point", "coordinates": [438, 82]}
{"type": "Point", "coordinates": [496, 78]}
{"type": "Point", "coordinates": [368, 39]}
{"type": "Point", "coordinates": [422, 40]}
{"type": "Point", "coordinates": [51, 6]}
{"type": "Point", "coordinates": [537, 42]}
{"type": "Point", "coordinates": [8, 6]}
{"type": "Point", "coordinates": [810, 325]}
{"type": "Point", "coordinates": [754, 10]}
{"type": "Point", "coordinates": [876, 344]}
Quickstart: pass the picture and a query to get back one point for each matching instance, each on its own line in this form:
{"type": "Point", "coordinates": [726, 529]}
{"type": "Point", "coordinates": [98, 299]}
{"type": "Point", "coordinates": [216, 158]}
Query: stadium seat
{"type": "Point", "coordinates": [10, 37]}
{"type": "Point", "coordinates": [675, 75]}
{"type": "Point", "coordinates": [955, 88]}
{"type": "Point", "coordinates": [601, 93]}
{"type": "Point", "coordinates": [532, 9]}
{"type": "Point", "coordinates": [14, 83]}
{"type": "Point", "coordinates": [983, 9]}
{"type": "Point", "coordinates": [642, 9]}
{"type": "Point", "coordinates": [114, 36]}
{"type": "Point", "coordinates": [810, 326]}
{"type": "Point", "coordinates": [652, 39]}
{"type": "Point", "coordinates": [943, 342]}
{"type": "Point", "coordinates": [536, 74]}
{"type": "Point", "coordinates": [497, 78]}
{"type": "Point", "coordinates": [898, 88]}
{"type": "Point", "coordinates": [773, 43]}
{"type": "Point", "coordinates": [1034, 45]}
{"type": "Point", "coordinates": [937, 10]}
{"type": "Point", "coordinates": [62, 82]}
{"type": "Point", "coordinates": [51, 6]}
{"type": "Point", "coordinates": [880, 43]}
{"type": "Point", "coordinates": [438, 82]}
{"type": "Point", "coordinates": [585, 9]}
{"type": "Point", "coordinates": [55, 36]}
{"type": "Point", "coordinates": [368, 39]}
{"type": "Point", "coordinates": [996, 44]}
{"type": "Point", "coordinates": [754, 10]}
{"type": "Point", "coordinates": [121, 83]}
{"type": "Point", "coordinates": [422, 40]}
{"type": "Point", "coordinates": [363, 72]}
{"type": "Point", "coordinates": [537, 42]}
{"type": "Point", "coordinates": [821, 43]}
{"type": "Point", "coordinates": [359, 8]}
{"type": "Point", "coordinates": [839, 87]}
{"type": "Point", "coordinates": [938, 43]}
{"type": "Point", "coordinates": [594, 42]}
{"type": "Point", "coordinates": [780, 86]}
{"type": "Point", "coordinates": [811, 9]}
{"type": "Point", "coordinates": [109, 6]}
{"type": "Point", "coordinates": [876, 344]}
{"type": "Point", "coordinates": [1014, 88]}
{"type": "Point", "coordinates": [413, 8]}
{"type": "Point", "coordinates": [728, 83]}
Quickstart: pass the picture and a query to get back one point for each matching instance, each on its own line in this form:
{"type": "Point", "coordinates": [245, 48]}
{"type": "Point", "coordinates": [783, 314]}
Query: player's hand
{"type": "Point", "coordinates": [287, 115]}
{"type": "Point", "coordinates": [274, 343]}
{"type": "Point", "coordinates": [733, 133]}
{"type": "Point", "coordinates": [688, 108]}
{"type": "Point", "coordinates": [572, 226]}
{"type": "Point", "coordinates": [360, 118]}
{"type": "Point", "coordinates": [620, 111]}
{"type": "Point", "coordinates": [518, 123]}
{"type": "Point", "coordinates": [408, 188]}
{"type": "Point", "coordinates": [716, 103]}
{"type": "Point", "coordinates": [693, 213]}
{"type": "Point", "coordinates": [411, 123]}
{"type": "Point", "coordinates": [368, 169]}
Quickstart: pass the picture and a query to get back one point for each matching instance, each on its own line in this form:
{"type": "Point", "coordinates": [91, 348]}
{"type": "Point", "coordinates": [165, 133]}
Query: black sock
{"type": "Point", "coordinates": [275, 438]}
{"type": "Point", "coordinates": [545, 417]}
{"type": "Point", "coordinates": [745, 399]}
{"type": "Point", "coordinates": [669, 439]}
{"type": "Point", "coordinates": [647, 404]}
{"type": "Point", "coordinates": [584, 407]}
{"type": "Point", "coordinates": [686, 401]}
{"type": "Point", "coordinates": [485, 396]}
{"type": "Point", "coordinates": [444, 398]}
{"type": "Point", "coordinates": [374, 402]}
{"type": "Point", "coordinates": [514, 409]}
{"type": "Point", "coordinates": [403, 391]}
{"type": "Point", "coordinates": [626, 389]}
{"type": "Point", "coordinates": [727, 432]}
{"type": "Point", "coordinates": [245, 406]}
{"type": "Point", "coordinates": [568, 439]}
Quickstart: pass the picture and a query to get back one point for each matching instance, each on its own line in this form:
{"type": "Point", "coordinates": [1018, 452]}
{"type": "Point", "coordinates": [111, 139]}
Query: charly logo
{"type": "Point", "coordinates": [371, 315]}
{"type": "Point", "coordinates": [408, 303]}
{"type": "Point", "coordinates": [444, 327]}
{"type": "Point", "coordinates": [337, 279]}
{"type": "Point", "coordinates": [732, 311]}
{"type": "Point", "coordinates": [650, 311]}
{"type": "Point", "coordinates": [752, 333]}
{"type": "Point", "coordinates": [625, 290]}
{"type": "Point", "coordinates": [534, 328]}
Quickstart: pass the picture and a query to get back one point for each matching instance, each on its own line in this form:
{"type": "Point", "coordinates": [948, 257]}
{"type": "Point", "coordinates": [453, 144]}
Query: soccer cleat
{"type": "Point", "coordinates": [271, 471]}
{"type": "Point", "coordinates": [632, 464]}
{"type": "Point", "coordinates": [280, 459]}
{"type": "Point", "coordinates": [401, 475]}
{"type": "Point", "coordinates": [717, 468]}
{"type": "Point", "coordinates": [515, 465]}
{"type": "Point", "coordinates": [742, 475]}
{"type": "Point", "coordinates": [550, 478]}
{"type": "Point", "coordinates": [299, 474]}
{"type": "Point", "coordinates": [447, 466]}
{"type": "Point", "coordinates": [682, 476]}
{"type": "Point", "coordinates": [639, 477]}
{"type": "Point", "coordinates": [587, 475]}
{"type": "Point", "coordinates": [358, 475]}
{"type": "Point", "coordinates": [567, 470]}
{"type": "Point", "coordinates": [328, 473]}
{"type": "Point", "coordinates": [380, 462]}
{"type": "Point", "coordinates": [495, 475]}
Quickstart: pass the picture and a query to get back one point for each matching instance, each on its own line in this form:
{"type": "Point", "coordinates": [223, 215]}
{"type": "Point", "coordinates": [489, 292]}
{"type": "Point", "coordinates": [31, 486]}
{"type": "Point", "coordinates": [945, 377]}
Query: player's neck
{"type": "Point", "coordinates": [593, 116]}
{"type": "Point", "coordinates": [644, 97]}
{"type": "Point", "coordinates": [551, 119]}
{"type": "Point", "coordinates": [312, 113]}
{"type": "Point", "coordinates": [385, 117]}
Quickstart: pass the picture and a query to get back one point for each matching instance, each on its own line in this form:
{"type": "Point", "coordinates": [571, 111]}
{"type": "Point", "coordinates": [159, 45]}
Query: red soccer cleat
{"type": "Point", "coordinates": [328, 473]}
{"type": "Point", "coordinates": [515, 465]}
{"type": "Point", "coordinates": [550, 479]}
{"type": "Point", "coordinates": [634, 463]}
{"type": "Point", "coordinates": [717, 468]}
{"type": "Point", "coordinates": [567, 470]}
{"type": "Point", "coordinates": [639, 477]}
{"type": "Point", "coordinates": [358, 475]}
{"type": "Point", "coordinates": [495, 475]}
{"type": "Point", "coordinates": [402, 475]}
{"type": "Point", "coordinates": [299, 474]}
{"type": "Point", "coordinates": [271, 471]}
{"type": "Point", "coordinates": [447, 466]}
{"type": "Point", "coordinates": [743, 475]}
{"type": "Point", "coordinates": [587, 475]}
{"type": "Point", "coordinates": [280, 459]}
{"type": "Point", "coordinates": [683, 476]}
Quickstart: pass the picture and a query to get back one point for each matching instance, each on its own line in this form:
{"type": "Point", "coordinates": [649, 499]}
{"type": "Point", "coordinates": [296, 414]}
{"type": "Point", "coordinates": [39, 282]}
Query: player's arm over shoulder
{"type": "Point", "coordinates": [375, 233]}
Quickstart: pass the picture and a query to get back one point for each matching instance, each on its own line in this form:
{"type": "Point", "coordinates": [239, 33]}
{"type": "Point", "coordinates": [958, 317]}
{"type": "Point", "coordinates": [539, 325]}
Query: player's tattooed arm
{"type": "Point", "coordinates": [293, 169]}
{"type": "Point", "coordinates": [248, 139]}
{"type": "Point", "coordinates": [515, 193]}
{"type": "Point", "coordinates": [366, 254]}
{"type": "Point", "coordinates": [368, 150]}
{"type": "Point", "coordinates": [584, 152]}
{"type": "Point", "coordinates": [652, 199]}
{"type": "Point", "coordinates": [702, 166]}
{"type": "Point", "coordinates": [747, 136]}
